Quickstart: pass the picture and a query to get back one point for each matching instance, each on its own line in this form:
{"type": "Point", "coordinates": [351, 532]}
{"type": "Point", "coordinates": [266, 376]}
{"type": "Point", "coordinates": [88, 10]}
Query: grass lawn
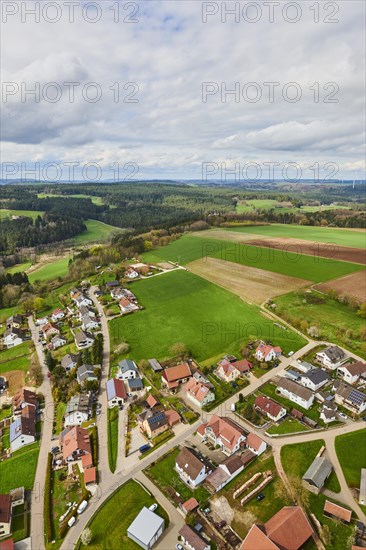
{"type": "Point", "coordinates": [296, 459]}
{"type": "Point", "coordinates": [7, 312]}
{"type": "Point", "coordinates": [17, 358]}
{"type": "Point", "coordinates": [337, 322]}
{"type": "Point", "coordinates": [6, 412]}
{"type": "Point", "coordinates": [275, 496]}
{"type": "Point", "coordinates": [352, 462]}
{"type": "Point", "coordinates": [59, 416]}
{"type": "Point", "coordinates": [20, 469]}
{"type": "Point", "coordinates": [342, 237]}
{"type": "Point", "coordinates": [163, 474]}
{"type": "Point", "coordinates": [109, 525]}
{"type": "Point", "coordinates": [96, 232]}
{"type": "Point", "coordinates": [112, 437]}
{"type": "Point", "coordinates": [5, 213]}
{"type": "Point", "coordinates": [189, 248]}
{"type": "Point", "coordinates": [52, 270]}
{"type": "Point", "coordinates": [182, 307]}
{"type": "Point", "coordinates": [288, 426]}
{"type": "Point", "coordinates": [18, 268]}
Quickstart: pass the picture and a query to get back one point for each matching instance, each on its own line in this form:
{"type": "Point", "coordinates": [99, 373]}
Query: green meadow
{"type": "Point", "coordinates": [96, 232]}
{"type": "Point", "coordinates": [5, 213]}
{"type": "Point", "coordinates": [189, 248]}
{"type": "Point", "coordinates": [52, 270]}
{"type": "Point", "coordinates": [183, 308]}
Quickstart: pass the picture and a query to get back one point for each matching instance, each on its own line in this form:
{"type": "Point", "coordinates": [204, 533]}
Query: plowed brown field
{"type": "Point", "coordinates": [352, 286]}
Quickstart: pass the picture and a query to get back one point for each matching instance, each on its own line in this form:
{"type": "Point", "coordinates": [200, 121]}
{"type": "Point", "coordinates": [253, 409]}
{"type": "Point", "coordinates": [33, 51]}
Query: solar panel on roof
{"type": "Point", "coordinates": [356, 397]}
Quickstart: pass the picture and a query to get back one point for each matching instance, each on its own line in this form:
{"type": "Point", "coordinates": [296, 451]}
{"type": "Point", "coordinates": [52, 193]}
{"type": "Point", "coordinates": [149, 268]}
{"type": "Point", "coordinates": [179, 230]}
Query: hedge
{"type": "Point", "coordinates": [48, 500]}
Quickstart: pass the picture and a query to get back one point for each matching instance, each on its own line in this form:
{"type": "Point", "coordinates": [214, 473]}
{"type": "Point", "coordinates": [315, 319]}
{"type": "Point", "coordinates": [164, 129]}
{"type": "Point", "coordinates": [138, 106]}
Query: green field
{"type": "Point", "coordinates": [20, 469]}
{"type": "Point", "coordinates": [5, 213]}
{"type": "Point", "coordinates": [109, 525]}
{"type": "Point", "coordinates": [96, 232]}
{"type": "Point", "coordinates": [181, 307]}
{"type": "Point", "coordinates": [16, 358]}
{"type": "Point", "coordinates": [52, 270]}
{"type": "Point", "coordinates": [342, 237]}
{"type": "Point", "coordinates": [288, 426]}
{"type": "Point", "coordinates": [352, 462]}
{"type": "Point", "coordinates": [189, 248]}
{"type": "Point", "coordinates": [18, 268]}
{"type": "Point", "coordinates": [95, 200]}
{"type": "Point", "coordinates": [267, 204]}
{"type": "Point", "coordinates": [337, 322]}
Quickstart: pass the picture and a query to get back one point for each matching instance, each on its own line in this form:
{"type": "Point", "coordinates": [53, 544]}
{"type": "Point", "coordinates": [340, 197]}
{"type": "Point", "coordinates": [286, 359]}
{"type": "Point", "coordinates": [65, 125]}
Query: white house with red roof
{"type": "Point", "coordinates": [116, 392]}
{"type": "Point", "coordinates": [223, 432]}
{"type": "Point", "coordinates": [255, 444]}
{"type": "Point", "coordinates": [231, 370]}
{"type": "Point", "coordinates": [58, 314]}
{"type": "Point", "coordinates": [269, 408]}
{"type": "Point", "coordinates": [199, 393]}
{"type": "Point", "coordinates": [265, 352]}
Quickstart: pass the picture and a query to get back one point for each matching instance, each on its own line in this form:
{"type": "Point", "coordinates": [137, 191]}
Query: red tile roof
{"type": "Point", "coordinates": [173, 374]}
{"type": "Point", "coordinates": [196, 389]}
{"type": "Point", "coordinates": [337, 511]}
{"type": "Point", "coordinates": [224, 428]}
{"type": "Point", "coordinates": [257, 540]}
{"type": "Point", "coordinates": [90, 475]}
{"type": "Point", "coordinates": [7, 544]}
{"type": "Point", "coordinates": [289, 528]}
{"type": "Point", "coordinates": [172, 417]}
{"type": "Point", "coordinates": [267, 405]}
{"type": "Point", "coordinates": [151, 401]}
{"type": "Point", "coordinates": [75, 438]}
{"type": "Point", "coordinates": [243, 365]}
{"type": "Point", "coordinates": [254, 441]}
{"type": "Point", "coordinates": [190, 504]}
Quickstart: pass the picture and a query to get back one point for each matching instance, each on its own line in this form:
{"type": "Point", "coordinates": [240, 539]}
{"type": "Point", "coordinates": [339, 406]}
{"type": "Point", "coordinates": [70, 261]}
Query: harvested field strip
{"type": "Point", "coordinates": [323, 250]}
{"type": "Point", "coordinates": [351, 286]}
{"type": "Point", "coordinates": [252, 284]}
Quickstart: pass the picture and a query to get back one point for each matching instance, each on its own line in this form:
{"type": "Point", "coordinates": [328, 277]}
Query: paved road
{"type": "Point", "coordinates": [37, 508]}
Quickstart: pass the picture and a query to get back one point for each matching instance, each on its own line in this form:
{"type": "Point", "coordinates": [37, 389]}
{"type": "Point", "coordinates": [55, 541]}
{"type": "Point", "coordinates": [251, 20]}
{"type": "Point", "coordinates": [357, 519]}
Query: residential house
{"type": "Point", "coordinates": [146, 528]}
{"type": "Point", "coordinates": [58, 315]}
{"type": "Point", "coordinates": [226, 371]}
{"type": "Point", "coordinates": [89, 323]}
{"type": "Point", "coordinates": [13, 337]}
{"type": "Point", "coordinates": [226, 471]}
{"type": "Point", "coordinates": [223, 432]}
{"type": "Point", "coordinates": [49, 330]}
{"type": "Point", "coordinates": [116, 392]}
{"type": "Point", "coordinates": [296, 393]}
{"type": "Point", "coordinates": [126, 305]}
{"type": "Point", "coordinates": [243, 366]}
{"type": "Point", "coordinates": [83, 300]}
{"type": "Point", "coordinates": [5, 515]}
{"type": "Point", "coordinates": [117, 293]}
{"type": "Point", "coordinates": [15, 321]}
{"type": "Point", "coordinates": [83, 340]}
{"type": "Point", "coordinates": [192, 469]}
{"type": "Point", "coordinates": [332, 510]}
{"type": "Point", "coordinates": [329, 412]}
{"type": "Point", "coordinates": [112, 284]}
{"type": "Point", "coordinates": [74, 293]}
{"type": "Point", "coordinates": [127, 369]}
{"type": "Point", "coordinates": [87, 373]}
{"type": "Point", "coordinates": [289, 529]}
{"type": "Point", "coordinates": [151, 402]}
{"type": "Point", "coordinates": [85, 310]}
{"type": "Point", "coordinates": [135, 384]}
{"type": "Point", "coordinates": [25, 398]}
{"type": "Point", "coordinates": [199, 393]}
{"type": "Point", "coordinates": [56, 342]}
{"type": "Point", "coordinates": [303, 366]}
{"type": "Point", "coordinates": [69, 361]}
{"type": "Point", "coordinates": [155, 423]}
{"type": "Point", "coordinates": [41, 321]}
{"type": "Point", "coordinates": [317, 474]}
{"type": "Point", "coordinates": [173, 417]}
{"type": "Point", "coordinates": [23, 429]}
{"type": "Point", "coordinates": [331, 357]}
{"type": "Point", "coordinates": [351, 372]}
{"type": "Point", "coordinates": [172, 377]}
{"type": "Point", "coordinates": [192, 540]}
{"type": "Point", "coordinates": [314, 379]}
{"type": "Point", "coordinates": [350, 398]}
{"type": "Point", "coordinates": [75, 443]}
{"type": "Point", "coordinates": [269, 408]}
{"type": "Point", "coordinates": [78, 410]}
{"type": "Point", "coordinates": [131, 273]}
{"type": "Point", "coordinates": [265, 352]}
{"type": "Point", "coordinates": [255, 444]}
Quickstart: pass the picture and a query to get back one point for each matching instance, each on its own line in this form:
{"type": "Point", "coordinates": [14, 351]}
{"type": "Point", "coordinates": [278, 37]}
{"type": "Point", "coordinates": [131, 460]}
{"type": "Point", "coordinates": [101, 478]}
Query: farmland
{"type": "Point", "coordinates": [52, 270]}
{"type": "Point", "coordinates": [342, 237]}
{"type": "Point", "coordinates": [181, 307]}
{"type": "Point", "coordinates": [96, 232]}
{"type": "Point", "coordinates": [335, 321]}
{"type": "Point", "coordinates": [267, 204]}
{"type": "Point", "coordinates": [5, 213]}
{"type": "Point", "coordinates": [95, 200]}
{"type": "Point", "coordinates": [190, 247]}
{"type": "Point", "coordinates": [110, 523]}
{"type": "Point", "coordinates": [351, 287]}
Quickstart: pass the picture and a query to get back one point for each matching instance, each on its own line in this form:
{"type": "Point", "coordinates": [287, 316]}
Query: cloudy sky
{"type": "Point", "coordinates": [146, 86]}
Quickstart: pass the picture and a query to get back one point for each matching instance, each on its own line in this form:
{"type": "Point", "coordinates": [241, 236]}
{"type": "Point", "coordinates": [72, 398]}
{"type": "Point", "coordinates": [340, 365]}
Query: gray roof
{"type": "Point", "coordinates": [334, 353]}
{"type": "Point", "coordinates": [81, 336]}
{"type": "Point", "coordinates": [145, 526]}
{"type": "Point", "coordinates": [126, 365]}
{"type": "Point", "coordinates": [80, 403]}
{"type": "Point", "coordinates": [300, 391]}
{"type": "Point", "coordinates": [135, 384]}
{"type": "Point", "coordinates": [318, 472]}
{"type": "Point", "coordinates": [155, 365]}
{"type": "Point", "coordinates": [86, 372]}
{"type": "Point", "coordinates": [68, 360]}
{"type": "Point", "coordinates": [316, 376]}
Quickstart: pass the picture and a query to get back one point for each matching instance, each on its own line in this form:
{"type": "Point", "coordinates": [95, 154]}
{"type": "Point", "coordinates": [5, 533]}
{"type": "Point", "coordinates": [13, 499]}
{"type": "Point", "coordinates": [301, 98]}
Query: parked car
{"type": "Point", "coordinates": [261, 496]}
{"type": "Point", "coordinates": [290, 353]}
{"type": "Point", "coordinates": [153, 507]}
{"type": "Point", "coordinates": [144, 448]}
{"type": "Point", "coordinates": [343, 416]}
{"type": "Point", "coordinates": [82, 506]}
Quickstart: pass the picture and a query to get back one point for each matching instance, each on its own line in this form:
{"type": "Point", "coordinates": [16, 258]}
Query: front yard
{"type": "Point", "coordinates": [163, 474]}
{"type": "Point", "coordinates": [288, 426]}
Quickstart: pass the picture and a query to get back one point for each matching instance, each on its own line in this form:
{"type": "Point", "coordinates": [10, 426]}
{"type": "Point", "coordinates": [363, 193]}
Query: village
{"type": "Point", "coordinates": [220, 423]}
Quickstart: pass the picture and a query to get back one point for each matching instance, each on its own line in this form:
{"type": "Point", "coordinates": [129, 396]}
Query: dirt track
{"type": "Point", "coordinates": [324, 250]}
{"type": "Point", "coordinates": [252, 284]}
{"type": "Point", "coordinates": [351, 286]}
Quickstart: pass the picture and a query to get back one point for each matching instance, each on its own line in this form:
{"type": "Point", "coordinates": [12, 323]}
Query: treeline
{"type": "Point", "coordinates": [50, 228]}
